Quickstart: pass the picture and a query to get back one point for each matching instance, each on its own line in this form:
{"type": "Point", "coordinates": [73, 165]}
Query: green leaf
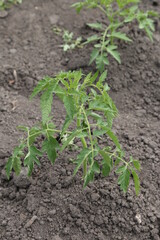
{"type": "Point", "coordinates": [78, 6]}
{"type": "Point", "coordinates": [34, 132]}
{"type": "Point", "coordinates": [17, 165]}
{"type": "Point", "coordinates": [23, 128]}
{"type": "Point", "coordinates": [94, 55]}
{"type": "Point", "coordinates": [69, 106]}
{"type": "Point", "coordinates": [136, 182]}
{"type": "Point", "coordinates": [50, 146]}
{"type": "Point", "coordinates": [88, 178]}
{"type": "Point", "coordinates": [114, 53]}
{"type": "Point", "coordinates": [101, 61]}
{"type": "Point", "coordinates": [97, 133]}
{"type": "Point", "coordinates": [121, 36]}
{"type": "Point", "coordinates": [96, 167]}
{"type": "Point", "coordinates": [97, 26]}
{"type": "Point", "coordinates": [106, 157]}
{"type": "Point", "coordinates": [103, 77]}
{"type": "Point", "coordinates": [14, 162]}
{"type": "Point", "coordinates": [137, 165]}
{"type": "Point", "coordinates": [123, 180]}
{"type": "Point", "coordinates": [94, 77]}
{"type": "Point", "coordinates": [92, 39]}
{"type": "Point", "coordinates": [9, 166]}
{"type": "Point", "coordinates": [81, 158]}
{"type": "Point", "coordinates": [114, 138]}
{"type": "Point", "coordinates": [31, 158]}
{"type": "Point", "coordinates": [66, 124]}
{"type": "Point", "coordinates": [46, 104]}
{"type": "Point", "coordinates": [42, 84]}
{"type": "Point", "coordinates": [121, 169]}
{"type": "Point", "coordinates": [105, 170]}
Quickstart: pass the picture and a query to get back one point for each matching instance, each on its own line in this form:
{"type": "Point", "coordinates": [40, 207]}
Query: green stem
{"type": "Point", "coordinates": [90, 135]}
{"type": "Point", "coordinates": [103, 40]}
{"type": "Point", "coordinates": [85, 146]}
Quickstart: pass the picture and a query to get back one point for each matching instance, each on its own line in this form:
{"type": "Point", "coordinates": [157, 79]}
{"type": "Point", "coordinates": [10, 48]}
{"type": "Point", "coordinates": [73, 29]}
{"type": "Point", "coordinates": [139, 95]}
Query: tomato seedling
{"type": "Point", "coordinates": [118, 13]}
{"type": "Point", "coordinates": [90, 112]}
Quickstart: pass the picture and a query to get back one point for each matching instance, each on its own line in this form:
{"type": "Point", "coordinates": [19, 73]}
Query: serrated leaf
{"type": "Point", "coordinates": [50, 146]}
{"type": "Point", "coordinates": [101, 61]}
{"type": "Point", "coordinates": [123, 180]}
{"type": "Point", "coordinates": [97, 133]}
{"type": "Point", "coordinates": [114, 138]}
{"type": "Point", "coordinates": [81, 158]}
{"type": "Point", "coordinates": [103, 76]}
{"type": "Point", "coordinates": [106, 170]}
{"type": "Point", "coordinates": [94, 77]}
{"type": "Point", "coordinates": [31, 158]}
{"type": "Point", "coordinates": [97, 26]}
{"type": "Point", "coordinates": [17, 165]}
{"type": "Point", "coordinates": [96, 167]}
{"type": "Point", "coordinates": [42, 84]}
{"type": "Point", "coordinates": [69, 106]}
{"type": "Point", "coordinates": [94, 55]}
{"type": "Point", "coordinates": [95, 115]}
{"type": "Point", "coordinates": [66, 124]}
{"type": "Point", "coordinates": [92, 39]}
{"type": "Point", "coordinates": [46, 104]}
{"type": "Point", "coordinates": [121, 36]}
{"type": "Point", "coordinates": [14, 162]}
{"type": "Point", "coordinates": [114, 53]}
{"type": "Point", "coordinates": [106, 157]}
{"type": "Point", "coordinates": [137, 165]}
{"type": "Point", "coordinates": [121, 169]}
{"type": "Point", "coordinates": [136, 182]}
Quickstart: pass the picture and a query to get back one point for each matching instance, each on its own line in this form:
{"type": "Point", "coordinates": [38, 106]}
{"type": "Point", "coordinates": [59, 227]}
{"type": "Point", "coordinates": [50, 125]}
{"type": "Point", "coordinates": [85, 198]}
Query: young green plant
{"type": "Point", "coordinates": [69, 42]}
{"type": "Point", "coordinates": [7, 3]}
{"type": "Point", "coordinates": [90, 112]}
{"type": "Point", "coordinates": [118, 13]}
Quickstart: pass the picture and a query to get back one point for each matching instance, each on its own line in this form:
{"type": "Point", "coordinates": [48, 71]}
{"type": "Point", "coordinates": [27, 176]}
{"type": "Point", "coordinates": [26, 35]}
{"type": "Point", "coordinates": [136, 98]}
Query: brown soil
{"type": "Point", "coordinates": [52, 205]}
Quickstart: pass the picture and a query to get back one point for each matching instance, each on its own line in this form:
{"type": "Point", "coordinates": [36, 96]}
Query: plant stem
{"type": "Point", "coordinates": [90, 135]}
{"type": "Point", "coordinates": [103, 40]}
{"type": "Point", "coordinates": [85, 146]}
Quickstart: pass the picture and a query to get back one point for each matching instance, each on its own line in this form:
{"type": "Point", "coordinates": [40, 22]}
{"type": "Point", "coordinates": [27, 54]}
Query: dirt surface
{"type": "Point", "coordinates": [51, 205]}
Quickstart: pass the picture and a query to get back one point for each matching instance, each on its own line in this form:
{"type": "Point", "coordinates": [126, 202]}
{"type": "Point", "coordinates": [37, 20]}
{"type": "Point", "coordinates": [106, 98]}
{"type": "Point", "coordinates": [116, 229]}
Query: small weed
{"type": "Point", "coordinates": [69, 42]}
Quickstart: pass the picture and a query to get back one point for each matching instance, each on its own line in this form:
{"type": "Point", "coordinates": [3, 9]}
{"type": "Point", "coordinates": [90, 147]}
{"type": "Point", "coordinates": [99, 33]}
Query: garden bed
{"type": "Point", "coordinates": [52, 205]}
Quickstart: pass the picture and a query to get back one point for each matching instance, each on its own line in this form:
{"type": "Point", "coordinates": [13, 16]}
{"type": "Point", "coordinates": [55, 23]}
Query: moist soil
{"type": "Point", "coordinates": [52, 205]}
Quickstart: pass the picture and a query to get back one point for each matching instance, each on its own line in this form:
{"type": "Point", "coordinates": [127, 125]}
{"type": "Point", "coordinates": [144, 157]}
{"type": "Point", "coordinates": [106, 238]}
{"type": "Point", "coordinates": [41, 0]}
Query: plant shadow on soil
{"type": "Point", "coordinates": [51, 205]}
